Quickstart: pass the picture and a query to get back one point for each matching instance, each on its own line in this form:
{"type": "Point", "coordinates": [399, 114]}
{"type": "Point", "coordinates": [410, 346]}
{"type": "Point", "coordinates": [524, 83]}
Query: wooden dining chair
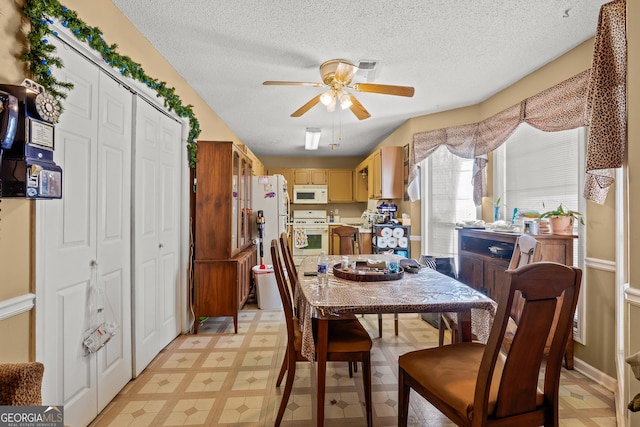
{"type": "Point", "coordinates": [525, 251]}
{"type": "Point", "coordinates": [292, 274]}
{"type": "Point", "coordinates": [349, 242]}
{"type": "Point", "coordinates": [477, 384]}
{"type": "Point", "coordinates": [348, 342]}
{"type": "Point", "coordinates": [349, 238]}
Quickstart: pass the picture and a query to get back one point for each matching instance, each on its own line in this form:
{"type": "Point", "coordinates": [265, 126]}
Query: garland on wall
{"type": "Point", "coordinates": [40, 57]}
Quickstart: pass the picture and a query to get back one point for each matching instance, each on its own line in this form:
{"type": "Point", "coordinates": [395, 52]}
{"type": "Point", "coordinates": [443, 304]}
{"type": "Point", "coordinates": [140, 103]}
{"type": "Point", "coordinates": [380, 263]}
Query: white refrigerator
{"type": "Point", "coordinates": [269, 195]}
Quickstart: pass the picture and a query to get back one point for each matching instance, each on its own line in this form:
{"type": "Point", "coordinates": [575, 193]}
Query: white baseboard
{"type": "Point", "coordinates": [599, 377]}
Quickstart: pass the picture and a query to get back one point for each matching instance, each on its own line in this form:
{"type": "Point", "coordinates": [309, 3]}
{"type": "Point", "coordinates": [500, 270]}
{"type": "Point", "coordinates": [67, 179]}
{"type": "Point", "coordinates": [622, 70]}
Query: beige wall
{"type": "Point", "coordinates": [15, 215]}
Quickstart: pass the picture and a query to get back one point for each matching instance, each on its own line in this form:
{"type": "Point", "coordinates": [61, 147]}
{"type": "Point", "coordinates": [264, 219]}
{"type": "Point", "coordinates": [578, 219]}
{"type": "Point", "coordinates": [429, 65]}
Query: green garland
{"type": "Point", "coordinates": [40, 58]}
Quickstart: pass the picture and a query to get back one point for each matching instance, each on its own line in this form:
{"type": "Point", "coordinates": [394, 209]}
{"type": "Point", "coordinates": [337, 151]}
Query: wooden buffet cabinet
{"type": "Point", "coordinates": [223, 231]}
{"type": "Point", "coordinates": [478, 268]}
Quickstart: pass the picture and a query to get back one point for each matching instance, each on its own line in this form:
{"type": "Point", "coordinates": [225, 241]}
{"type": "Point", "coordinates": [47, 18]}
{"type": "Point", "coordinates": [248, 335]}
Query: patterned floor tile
{"type": "Point", "coordinates": [219, 377]}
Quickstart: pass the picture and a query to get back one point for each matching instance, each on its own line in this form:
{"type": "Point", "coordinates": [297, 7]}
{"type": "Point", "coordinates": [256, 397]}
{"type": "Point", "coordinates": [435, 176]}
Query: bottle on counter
{"type": "Point", "coordinates": [323, 269]}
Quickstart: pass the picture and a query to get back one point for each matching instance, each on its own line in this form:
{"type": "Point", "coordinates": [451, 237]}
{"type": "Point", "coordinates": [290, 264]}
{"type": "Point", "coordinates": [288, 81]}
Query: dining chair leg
{"type": "Point", "coordinates": [395, 319]}
{"type": "Point", "coordinates": [350, 369]}
{"type": "Point", "coordinates": [283, 369]}
{"type": "Point", "coordinates": [403, 400]}
{"type": "Point", "coordinates": [379, 325]}
{"type": "Point", "coordinates": [366, 380]}
{"type": "Point", "coordinates": [288, 386]}
{"type": "Point", "coordinates": [441, 329]}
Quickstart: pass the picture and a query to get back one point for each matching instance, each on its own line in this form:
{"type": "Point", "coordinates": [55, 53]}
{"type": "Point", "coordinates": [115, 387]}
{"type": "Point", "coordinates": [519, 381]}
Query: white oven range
{"type": "Point", "coordinates": [310, 227]}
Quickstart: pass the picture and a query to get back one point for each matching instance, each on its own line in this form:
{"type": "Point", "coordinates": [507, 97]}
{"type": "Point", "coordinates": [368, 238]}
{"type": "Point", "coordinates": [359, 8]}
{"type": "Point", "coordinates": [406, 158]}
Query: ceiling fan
{"type": "Point", "coordinates": [337, 75]}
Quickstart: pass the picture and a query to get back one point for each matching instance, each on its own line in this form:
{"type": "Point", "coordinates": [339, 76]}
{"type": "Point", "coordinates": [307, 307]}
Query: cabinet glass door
{"type": "Point", "coordinates": [243, 202]}
{"type": "Point", "coordinates": [235, 201]}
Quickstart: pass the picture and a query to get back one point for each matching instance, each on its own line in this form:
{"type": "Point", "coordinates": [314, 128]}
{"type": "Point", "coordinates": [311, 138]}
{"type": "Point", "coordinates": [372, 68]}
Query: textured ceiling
{"type": "Point", "coordinates": [455, 53]}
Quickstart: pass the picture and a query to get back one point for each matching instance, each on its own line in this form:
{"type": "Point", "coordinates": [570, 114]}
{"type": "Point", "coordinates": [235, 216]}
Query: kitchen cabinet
{"type": "Point", "coordinates": [383, 172]}
{"type": "Point", "coordinates": [365, 243]}
{"type": "Point", "coordinates": [340, 185]}
{"type": "Point", "coordinates": [310, 176]}
{"type": "Point", "coordinates": [288, 176]}
{"type": "Point", "coordinates": [480, 269]}
{"type": "Point", "coordinates": [224, 252]}
{"type": "Point", "coordinates": [360, 184]}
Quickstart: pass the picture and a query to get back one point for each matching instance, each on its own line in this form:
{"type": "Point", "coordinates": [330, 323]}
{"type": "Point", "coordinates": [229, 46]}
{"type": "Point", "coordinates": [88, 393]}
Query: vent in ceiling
{"type": "Point", "coordinates": [368, 68]}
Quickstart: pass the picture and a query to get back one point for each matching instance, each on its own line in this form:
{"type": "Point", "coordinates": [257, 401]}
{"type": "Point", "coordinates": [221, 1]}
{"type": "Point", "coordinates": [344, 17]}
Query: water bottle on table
{"type": "Point", "coordinates": [323, 269]}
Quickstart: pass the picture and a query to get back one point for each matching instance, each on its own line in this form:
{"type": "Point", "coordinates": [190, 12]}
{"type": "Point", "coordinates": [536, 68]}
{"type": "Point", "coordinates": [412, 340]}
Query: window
{"type": "Point", "coordinates": [537, 171]}
{"type": "Point", "coordinates": [447, 199]}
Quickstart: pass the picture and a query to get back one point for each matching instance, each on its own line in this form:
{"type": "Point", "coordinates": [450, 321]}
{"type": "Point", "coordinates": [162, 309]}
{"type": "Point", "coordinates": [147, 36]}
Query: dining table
{"type": "Point", "coordinates": [423, 291]}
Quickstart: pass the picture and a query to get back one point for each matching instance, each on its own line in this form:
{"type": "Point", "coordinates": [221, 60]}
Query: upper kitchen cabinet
{"type": "Point", "coordinates": [383, 171]}
{"type": "Point", "coordinates": [288, 176]}
{"type": "Point", "coordinates": [310, 176]}
{"type": "Point", "coordinates": [340, 185]}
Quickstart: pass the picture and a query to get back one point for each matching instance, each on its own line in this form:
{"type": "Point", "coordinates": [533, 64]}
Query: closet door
{"type": "Point", "coordinates": [156, 230]}
{"type": "Point", "coordinates": [114, 233]}
{"type": "Point", "coordinates": [84, 245]}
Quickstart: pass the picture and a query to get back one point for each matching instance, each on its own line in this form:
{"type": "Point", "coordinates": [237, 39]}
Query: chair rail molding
{"type": "Point", "coordinates": [17, 305]}
{"type": "Point", "coordinates": [632, 295]}
{"type": "Point", "coordinates": [600, 264]}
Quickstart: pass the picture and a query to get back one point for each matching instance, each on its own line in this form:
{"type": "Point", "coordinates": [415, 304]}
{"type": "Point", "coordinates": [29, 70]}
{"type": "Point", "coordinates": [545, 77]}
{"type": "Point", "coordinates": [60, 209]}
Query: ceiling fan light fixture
{"type": "Point", "coordinates": [345, 100]}
{"type": "Point", "coordinates": [312, 138]}
{"type": "Point", "coordinates": [332, 106]}
{"type": "Point", "coordinates": [327, 97]}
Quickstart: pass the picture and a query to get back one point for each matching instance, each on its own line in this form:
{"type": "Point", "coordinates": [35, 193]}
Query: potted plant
{"type": "Point", "coordinates": [561, 220]}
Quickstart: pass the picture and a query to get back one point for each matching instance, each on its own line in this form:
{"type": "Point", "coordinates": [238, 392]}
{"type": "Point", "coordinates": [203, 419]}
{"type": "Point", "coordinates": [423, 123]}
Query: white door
{"type": "Point", "coordinates": [114, 233]}
{"type": "Point", "coordinates": [84, 244]}
{"type": "Point", "coordinates": [156, 231]}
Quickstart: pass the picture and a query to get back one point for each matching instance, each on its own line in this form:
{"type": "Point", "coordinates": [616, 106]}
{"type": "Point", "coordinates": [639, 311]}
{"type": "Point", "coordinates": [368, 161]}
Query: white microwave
{"type": "Point", "coordinates": [310, 194]}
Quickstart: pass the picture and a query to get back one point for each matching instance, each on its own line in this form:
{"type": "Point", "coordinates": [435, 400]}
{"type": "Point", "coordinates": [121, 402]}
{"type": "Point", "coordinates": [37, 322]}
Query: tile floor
{"type": "Point", "coordinates": [218, 378]}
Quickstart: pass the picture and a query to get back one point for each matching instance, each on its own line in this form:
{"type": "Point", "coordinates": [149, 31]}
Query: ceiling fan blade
{"type": "Point", "coordinates": [345, 72]}
{"type": "Point", "coordinates": [357, 109]}
{"type": "Point", "coordinates": [306, 107]}
{"type": "Point", "coordinates": [384, 89]}
{"type": "Point", "coordinates": [268, 83]}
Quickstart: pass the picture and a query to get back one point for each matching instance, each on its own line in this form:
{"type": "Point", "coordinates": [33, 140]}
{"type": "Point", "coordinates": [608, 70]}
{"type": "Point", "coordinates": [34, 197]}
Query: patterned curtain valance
{"type": "Point", "coordinates": [607, 101]}
{"type": "Point", "coordinates": [595, 97]}
{"type": "Point", "coordinates": [560, 107]}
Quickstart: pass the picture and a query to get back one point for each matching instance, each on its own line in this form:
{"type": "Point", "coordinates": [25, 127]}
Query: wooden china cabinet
{"type": "Point", "coordinates": [224, 249]}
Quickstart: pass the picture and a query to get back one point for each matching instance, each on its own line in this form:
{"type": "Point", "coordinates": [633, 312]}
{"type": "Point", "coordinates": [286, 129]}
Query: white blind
{"type": "Point", "coordinates": [541, 170]}
{"type": "Point", "coordinates": [448, 193]}
{"type": "Point", "coordinates": [537, 171]}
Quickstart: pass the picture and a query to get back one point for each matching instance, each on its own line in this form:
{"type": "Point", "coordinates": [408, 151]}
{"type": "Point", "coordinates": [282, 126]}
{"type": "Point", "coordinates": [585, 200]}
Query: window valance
{"type": "Point", "coordinates": [560, 107]}
{"type": "Point", "coordinates": [595, 98]}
